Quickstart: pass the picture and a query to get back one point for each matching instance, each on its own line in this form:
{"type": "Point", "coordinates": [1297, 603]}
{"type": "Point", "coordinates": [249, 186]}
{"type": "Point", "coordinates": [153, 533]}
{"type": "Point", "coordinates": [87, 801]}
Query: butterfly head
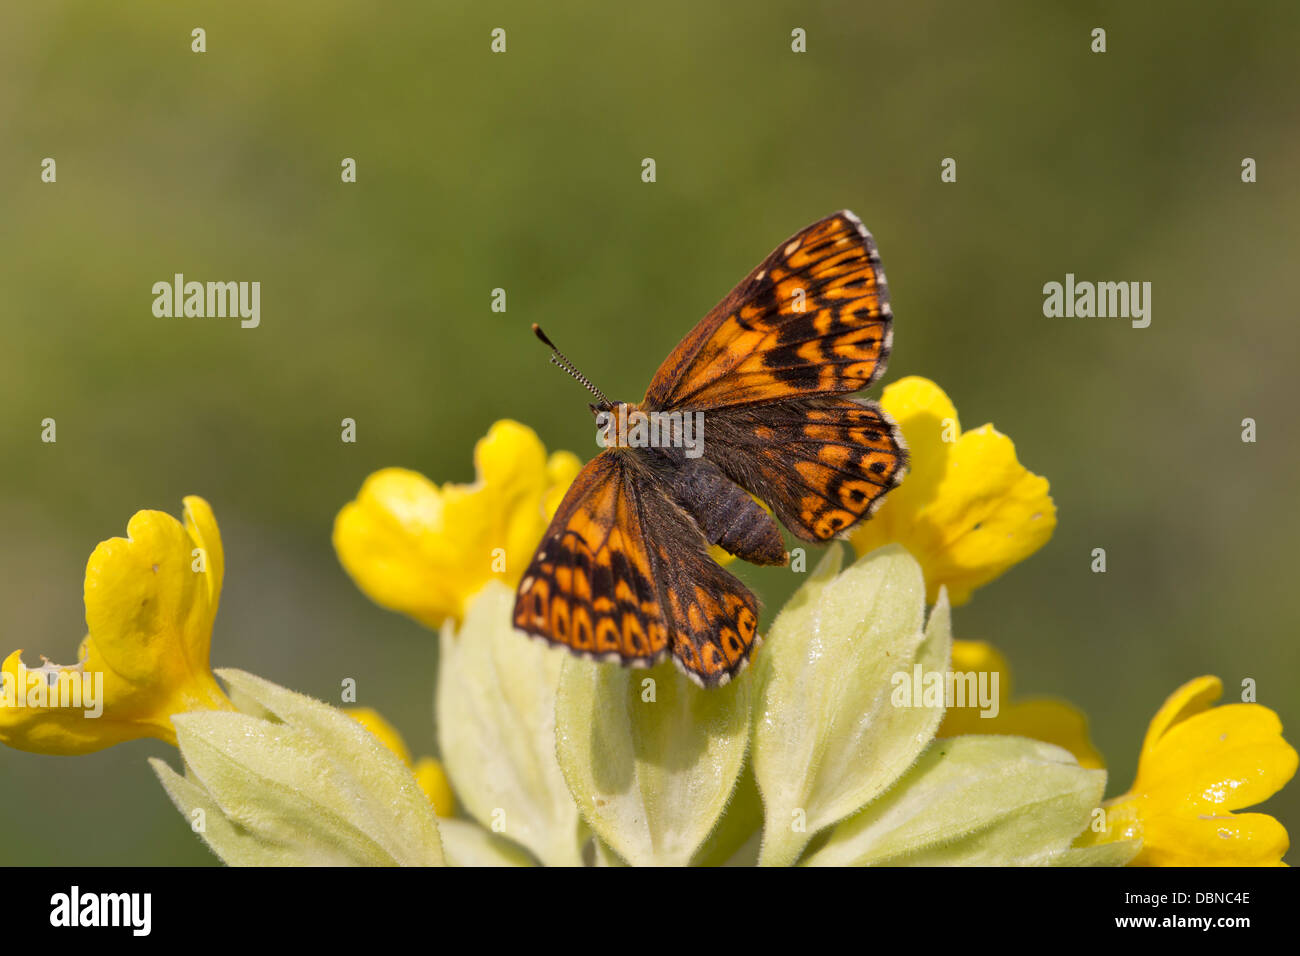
{"type": "Point", "coordinates": [613, 420]}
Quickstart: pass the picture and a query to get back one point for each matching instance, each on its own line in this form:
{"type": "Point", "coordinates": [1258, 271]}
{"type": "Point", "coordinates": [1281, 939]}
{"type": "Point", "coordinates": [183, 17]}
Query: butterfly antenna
{"type": "Point", "coordinates": [558, 358]}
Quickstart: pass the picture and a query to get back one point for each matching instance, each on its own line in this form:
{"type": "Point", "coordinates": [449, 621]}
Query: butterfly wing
{"type": "Point", "coordinates": [812, 319]}
{"type": "Point", "coordinates": [622, 574]}
{"type": "Point", "coordinates": [822, 463]}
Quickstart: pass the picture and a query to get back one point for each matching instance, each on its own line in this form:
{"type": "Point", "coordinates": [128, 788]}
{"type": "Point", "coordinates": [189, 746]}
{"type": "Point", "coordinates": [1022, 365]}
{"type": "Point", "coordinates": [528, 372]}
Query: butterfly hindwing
{"type": "Point", "coordinates": [713, 618]}
{"type": "Point", "coordinates": [812, 319]}
{"type": "Point", "coordinates": [622, 573]}
{"type": "Point", "coordinates": [822, 464]}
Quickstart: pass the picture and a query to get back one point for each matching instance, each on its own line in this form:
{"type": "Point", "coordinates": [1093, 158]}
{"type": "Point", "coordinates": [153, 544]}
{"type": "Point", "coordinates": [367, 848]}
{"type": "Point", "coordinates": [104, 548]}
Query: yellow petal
{"type": "Point", "coordinates": [1199, 763]}
{"type": "Point", "coordinates": [1234, 839]}
{"type": "Point", "coordinates": [150, 602]}
{"type": "Point", "coordinates": [982, 656]}
{"type": "Point", "coordinates": [388, 541]}
{"type": "Point", "coordinates": [929, 421]}
{"type": "Point", "coordinates": [1192, 698]}
{"type": "Point", "coordinates": [1226, 758]}
{"type": "Point", "coordinates": [388, 735]}
{"type": "Point", "coordinates": [968, 509]}
{"type": "Point", "coordinates": [930, 425]}
{"type": "Point", "coordinates": [426, 551]}
{"type": "Point", "coordinates": [1047, 719]}
{"type": "Point", "coordinates": [433, 781]}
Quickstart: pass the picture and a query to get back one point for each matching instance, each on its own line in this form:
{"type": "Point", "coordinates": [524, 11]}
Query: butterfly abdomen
{"type": "Point", "coordinates": [725, 513]}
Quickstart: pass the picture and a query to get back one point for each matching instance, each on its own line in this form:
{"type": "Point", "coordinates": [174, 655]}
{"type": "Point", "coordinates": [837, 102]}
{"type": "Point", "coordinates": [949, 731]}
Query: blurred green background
{"type": "Point", "coordinates": [522, 171]}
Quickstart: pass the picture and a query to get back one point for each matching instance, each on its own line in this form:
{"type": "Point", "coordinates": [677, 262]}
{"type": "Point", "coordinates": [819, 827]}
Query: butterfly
{"type": "Point", "coordinates": [623, 571]}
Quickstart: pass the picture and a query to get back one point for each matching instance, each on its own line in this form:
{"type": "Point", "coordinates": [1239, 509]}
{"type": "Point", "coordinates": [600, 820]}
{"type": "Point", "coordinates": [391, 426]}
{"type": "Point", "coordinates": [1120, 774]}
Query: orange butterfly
{"type": "Point", "coordinates": [623, 572]}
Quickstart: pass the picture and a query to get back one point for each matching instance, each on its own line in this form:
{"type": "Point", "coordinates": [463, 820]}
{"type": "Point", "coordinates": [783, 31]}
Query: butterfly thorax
{"type": "Point", "coordinates": [624, 425]}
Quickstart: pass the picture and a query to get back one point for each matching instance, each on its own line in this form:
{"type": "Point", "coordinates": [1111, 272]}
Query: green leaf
{"type": "Point", "coordinates": [650, 758]}
{"type": "Point", "coordinates": [311, 786]}
{"type": "Point", "coordinates": [972, 801]}
{"type": "Point", "coordinates": [496, 730]}
{"type": "Point", "coordinates": [468, 844]}
{"type": "Point", "coordinates": [827, 736]}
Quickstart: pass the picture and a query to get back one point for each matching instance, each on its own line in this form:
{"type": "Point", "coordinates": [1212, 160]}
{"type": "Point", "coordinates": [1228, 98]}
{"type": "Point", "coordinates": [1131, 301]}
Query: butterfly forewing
{"type": "Point", "coordinates": [812, 319]}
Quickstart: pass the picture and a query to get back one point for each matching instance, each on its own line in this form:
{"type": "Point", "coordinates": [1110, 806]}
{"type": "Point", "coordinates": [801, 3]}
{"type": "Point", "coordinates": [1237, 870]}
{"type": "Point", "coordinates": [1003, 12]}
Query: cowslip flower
{"type": "Point", "coordinates": [428, 772]}
{"type": "Point", "coordinates": [1041, 718]}
{"type": "Point", "coordinates": [1199, 764]}
{"type": "Point", "coordinates": [560, 761]}
{"type": "Point", "coordinates": [425, 551]}
{"type": "Point", "coordinates": [151, 598]}
{"type": "Point", "coordinates": [968, 510]}
{"type": "Point", "coordinates": [271, 777]}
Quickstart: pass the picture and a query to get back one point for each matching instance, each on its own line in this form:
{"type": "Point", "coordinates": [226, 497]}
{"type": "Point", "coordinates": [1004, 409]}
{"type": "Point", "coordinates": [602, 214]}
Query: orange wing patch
{"type": "Point", "coordinates": [812, 319]}
{"type": "Point", "coordinates": [823, 464]}
{"type": "Point", "coordinates": [600, 586]}
{"type": "Point", "coordinates": [590, 586]}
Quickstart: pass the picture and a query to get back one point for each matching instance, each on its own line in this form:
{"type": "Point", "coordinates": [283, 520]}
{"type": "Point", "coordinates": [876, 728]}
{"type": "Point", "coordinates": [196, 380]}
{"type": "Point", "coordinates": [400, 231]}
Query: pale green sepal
{"type": "Point", "coordinates": [1119, 853]}
{"type": "Point", "coordinates": [650, 758]}
{"type": "Point", "coordinates": [313, 781]}
{"type": "Point", "coordinates": [828, 736]}
{"type": "Point", "coordinates": [972, 801]}
{"type": "Point", "coordinates": [233, 844]}
{"type": "Point", "coordinates": [736, 835]}
{"type": "Point", "coordinates": [604, 856]}
{"type": "Point", "coordinates": [367, 776]}
{"type": "Point", "coordinates": [468, 844]}
{"type": "Point", "coordinates": [496, 730]}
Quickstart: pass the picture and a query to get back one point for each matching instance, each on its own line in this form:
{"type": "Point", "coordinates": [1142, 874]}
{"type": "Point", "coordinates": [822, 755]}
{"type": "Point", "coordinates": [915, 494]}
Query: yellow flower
{"type": "Point", "coordinates": [968, 509]}
{"type": "Point", "coordinates": [425, 551]}
{"type": "Point", "coordinates": [1039, 718]}
{"type": "Point", "coordinates": [1198, 764]}
{"type": "Point", "coordinates": [428, 772]}
{"type": "Point", "coordinates": [150, 598]}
